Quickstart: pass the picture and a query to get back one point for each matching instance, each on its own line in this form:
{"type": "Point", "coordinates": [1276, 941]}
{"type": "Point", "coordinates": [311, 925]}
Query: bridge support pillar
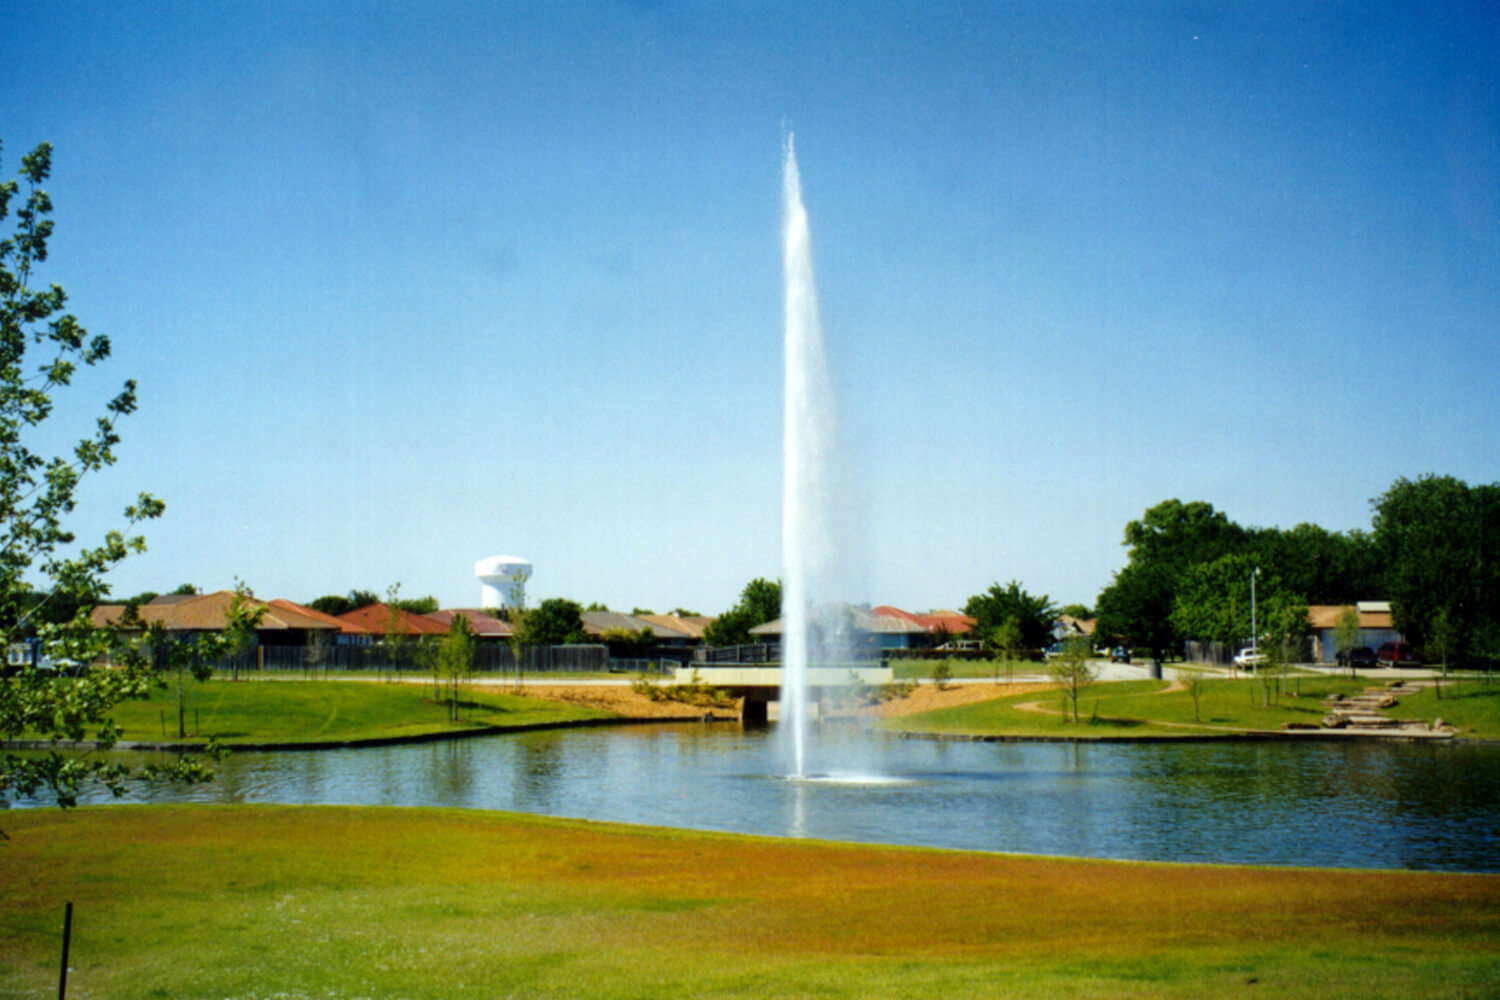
{"type": "Point", "coordinates": [754, 712]}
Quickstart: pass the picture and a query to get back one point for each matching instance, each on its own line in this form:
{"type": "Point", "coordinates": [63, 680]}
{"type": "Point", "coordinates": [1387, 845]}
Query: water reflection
{"type": "Point", "coordinates": [1383, 805]}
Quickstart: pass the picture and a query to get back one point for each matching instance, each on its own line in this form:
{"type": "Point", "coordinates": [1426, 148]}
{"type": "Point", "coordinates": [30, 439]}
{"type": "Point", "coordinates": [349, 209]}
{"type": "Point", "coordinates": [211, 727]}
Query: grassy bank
{"type": "Point", "coordinates": [316, 711]}
{"type": "Point", "coordinates": [333, 902]}
{"type": "Point", "coordinates": [1146, 708]}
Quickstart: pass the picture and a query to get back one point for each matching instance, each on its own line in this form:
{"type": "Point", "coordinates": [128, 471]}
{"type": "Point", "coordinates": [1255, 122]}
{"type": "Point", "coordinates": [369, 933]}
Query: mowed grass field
{"type": "Point", "coordinates": [334, 902]}
{"type": "Point", "coordinates": [1125, 709]}
{"type": "Point", "coordinates": [297, 711]}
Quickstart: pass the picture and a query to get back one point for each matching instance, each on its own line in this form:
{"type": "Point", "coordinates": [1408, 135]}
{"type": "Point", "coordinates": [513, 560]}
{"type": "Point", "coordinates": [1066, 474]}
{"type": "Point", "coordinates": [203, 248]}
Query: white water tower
{"type": "Point", "coordinates": [502, 581]}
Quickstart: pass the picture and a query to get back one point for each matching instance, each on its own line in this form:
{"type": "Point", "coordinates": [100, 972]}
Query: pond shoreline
{"type": "Point", "coordinates": [1249, 735]}
{"type": "Point", "coordinates": [199, 746]}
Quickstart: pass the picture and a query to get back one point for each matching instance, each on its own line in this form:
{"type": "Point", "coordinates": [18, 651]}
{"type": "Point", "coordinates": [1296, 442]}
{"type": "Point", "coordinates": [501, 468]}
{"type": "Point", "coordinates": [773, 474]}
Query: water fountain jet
{"type": "Point", "coordinates": [812, 627]}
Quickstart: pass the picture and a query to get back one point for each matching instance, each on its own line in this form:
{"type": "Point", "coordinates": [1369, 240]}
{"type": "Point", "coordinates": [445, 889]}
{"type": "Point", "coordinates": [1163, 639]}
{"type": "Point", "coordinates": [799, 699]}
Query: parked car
{"type": "Point", "coordinates": [1360, 656]}
{"type": "Point", "coordinates": [1120, 654]}
{"type": "Point", "coordinates": [1397, 654]}
{"type": "Point", "coordinates": [1249, 658]}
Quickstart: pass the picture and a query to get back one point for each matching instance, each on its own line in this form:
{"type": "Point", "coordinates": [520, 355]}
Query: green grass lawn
{"type": "Point", "coordinates": [921, 670]}
{"type": "Point", "coordinates": [240, 902]}
{"type": "Point", "coordinates": [1139, 708]}
{"type": "Point", "coordinates": [1472, 705]}
{"type": "Point", "coordinates": [314, 711]}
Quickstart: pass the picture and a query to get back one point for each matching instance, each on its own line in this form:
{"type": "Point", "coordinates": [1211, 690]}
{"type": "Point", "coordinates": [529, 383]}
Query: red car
{"type": "Point", "coordinates": [1397, 654]}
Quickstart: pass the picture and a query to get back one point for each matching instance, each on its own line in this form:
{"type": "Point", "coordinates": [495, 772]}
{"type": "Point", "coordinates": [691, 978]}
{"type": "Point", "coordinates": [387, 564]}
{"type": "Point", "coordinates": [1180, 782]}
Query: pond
{"type": "Point", "coordinates": [1325, 804]}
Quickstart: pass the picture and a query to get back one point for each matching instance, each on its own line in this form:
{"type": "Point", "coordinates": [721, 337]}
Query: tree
{"type": "Point", "coordinates": [456, 659]}
{"type": "Point", "coordinates": [418, 605]}
{"type": "Point", "coordinates": [1080, 611]}
{"type": "Point", "coordinates": [331, 604]}
{"type": "Point", "coordinates": [241, 619]}
{"type": "Point", "coordinates": [759, 602]}
{"type": "Point", "coordinates": [338, 604]}
{"type": "Point", "coordinates": [1072, 670]}
{"type": "Point", "coordinates": [1137, 607]}
{"type": "Point", "coordinates": [518, 617]}
{"type": "Point", "coordinates": [1439, 542]}
{"type": "Point", "coordinates": [1213, 599]}
{"type": "Point", "coordinates": [319, 644]}
{"type": "Point", "coordinates": [1033, 615]}
{"type": "Point", "coordinates": [1006, 637]}
{"type": "Point", "coordinates": [179, 659]}
{"type": "Point", "coordinates": [1327, 567]}
{"type": "Point", "coordinates": [1194, 682]}
{"type": "Point", "coordinates": [554, 622]}
{"type": "Point", "coordinates": [1442, 636]}
{"type": "Point", "coordinates": [1283, 625]}
{"type": "Point", "coordinates": [629, 643]}
{"type": "Point", "coordinates": [1168, 539]}
{"type": "Point", "coordinates": [36, 494]}
{"type": "Point", "coordinates": [1346, 635]}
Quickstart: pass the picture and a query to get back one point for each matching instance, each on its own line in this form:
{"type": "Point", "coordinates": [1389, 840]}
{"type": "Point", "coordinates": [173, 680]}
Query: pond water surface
{"type": "Point", "coordinates": [1348, 804]}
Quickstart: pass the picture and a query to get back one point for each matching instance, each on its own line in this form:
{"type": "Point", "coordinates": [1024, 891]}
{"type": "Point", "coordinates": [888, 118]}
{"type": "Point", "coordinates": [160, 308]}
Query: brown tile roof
{"type": "Point", "coordinates": [1079, 626]}
{"type": "Point", "coordinates": [599, 622]}
{"type": "Point", "coordinates": [208, 613]}
{"type": "Point", "coordinates": [691, 626]}
{"type": "Point", "coordinates": [864, 621]}
{"type": "Point", "coordinates": [1327, 616]}
{"type": "Point", "coordinates": [483, 625]}
{"type": "Point", "coordinates": [171, 598]}
{"type": "Point", "coordinates": [377, 619]}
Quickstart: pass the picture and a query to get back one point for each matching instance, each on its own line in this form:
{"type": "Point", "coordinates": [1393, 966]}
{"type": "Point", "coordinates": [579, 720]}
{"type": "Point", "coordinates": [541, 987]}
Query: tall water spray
{"type": "Point", "coordinates": [810, 470]}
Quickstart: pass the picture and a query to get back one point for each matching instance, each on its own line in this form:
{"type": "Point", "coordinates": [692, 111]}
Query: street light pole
{"type": "Point", "coordinates": [1254, 632]}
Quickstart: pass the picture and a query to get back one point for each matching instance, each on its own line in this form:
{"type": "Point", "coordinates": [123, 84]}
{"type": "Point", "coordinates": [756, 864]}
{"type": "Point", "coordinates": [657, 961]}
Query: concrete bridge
{"type": "Point", "coordinates": [760, 685]}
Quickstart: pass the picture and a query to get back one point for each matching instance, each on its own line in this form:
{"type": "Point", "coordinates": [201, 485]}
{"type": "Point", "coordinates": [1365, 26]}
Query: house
{"type": "Point", "coordinates": [192, 614]}
{"type": "Point", "coordinates": [872, 633]}
{"type": "Point", "coordinates": [940, 626]}
{"type": "Point", "coordinates": [486, 627]}
{"type": "Point", "coordinates": [349, 634]}
{"type": "Point", "coordinates": [1375, 627]}
{"type": "Point", "coordinates": [1069, 627]}
{"type": "Point", "coordinates": [689, 627]}
{"type": "Point", "coordinates": [944, 629]}
{"type": "Point", "coordinates": [383, 619]}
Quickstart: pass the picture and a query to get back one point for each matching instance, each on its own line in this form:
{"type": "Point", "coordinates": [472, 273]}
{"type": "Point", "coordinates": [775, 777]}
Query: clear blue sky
{"type": "Point", "coordinates": [409, 285]}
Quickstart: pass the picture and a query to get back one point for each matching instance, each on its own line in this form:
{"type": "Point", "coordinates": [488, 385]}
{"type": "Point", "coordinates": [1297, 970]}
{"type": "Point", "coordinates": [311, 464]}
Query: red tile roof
{"type": "Point", "coordinates": [347, 628]}
{"type": "Point", "coordinates": [947, 621]}
{"type": "Point", "coordinates": [376, 618]}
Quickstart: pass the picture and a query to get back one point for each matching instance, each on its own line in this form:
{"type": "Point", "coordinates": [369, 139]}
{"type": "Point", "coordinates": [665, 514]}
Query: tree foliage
{"type": "Point", "coordinates": [554, 622]}
{"type": "Point", "coordinates": [41, 348]}
{"type": "Point", "coordinates": [418, 605]}
{"type": "Point", "coordinates": [455, 659]}
{"type": "Point", "coordinates": [629, 643]}
{"type": "Point", "coordinates": [1187, 574]}
{"type": "Point", "coordinates": [1033, 615]}
{"type": "Point", "coordinates": [1072, 670]}
{"type": "Point", "coordinates": [1169, 539]}
{"type": "Point", "coordinates": [338, 604]}
{"type": "Point", "coordinates": [1439, 543]}
{"type": "Point", "coordinates": [759, 602]}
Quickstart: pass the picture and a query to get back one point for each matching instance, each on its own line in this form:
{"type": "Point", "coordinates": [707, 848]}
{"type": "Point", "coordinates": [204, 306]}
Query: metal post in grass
{"type": "Point", "coordinates": [62, 976]}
